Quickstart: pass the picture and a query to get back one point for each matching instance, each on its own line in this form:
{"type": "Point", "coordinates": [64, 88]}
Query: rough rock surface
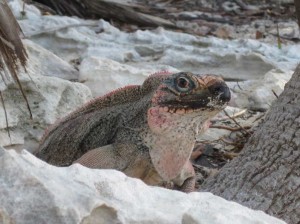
{"type": "Point", "coordinates": [127, 57]}
{"type": "Point", "coordinates": [213, 134]}
{"type": "Point", "coordinates": [76, 39]}
{"type": "Point", "coordinates": [152, 48]}
{"type": "Point", "coordinates": [49, 98]}
{"type": "Point", "coordinates": [32, 191]}
{"type": "Point", "coordinates": [46, 63]}
{"type": "Point", "coordinates": [103, 75]}
{"type": "Point", "coordinates": [259, 94]}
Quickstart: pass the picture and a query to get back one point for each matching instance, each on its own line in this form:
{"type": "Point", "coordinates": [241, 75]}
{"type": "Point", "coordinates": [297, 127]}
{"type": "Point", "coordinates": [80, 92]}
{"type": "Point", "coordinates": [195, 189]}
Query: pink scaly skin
{"type": "Point", "coordinates": [146, 131]}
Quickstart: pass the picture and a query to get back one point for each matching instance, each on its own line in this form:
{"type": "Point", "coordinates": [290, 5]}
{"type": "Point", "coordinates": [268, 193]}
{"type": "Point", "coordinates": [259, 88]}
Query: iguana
{"type": "Point", "coordinates": [147, 131]}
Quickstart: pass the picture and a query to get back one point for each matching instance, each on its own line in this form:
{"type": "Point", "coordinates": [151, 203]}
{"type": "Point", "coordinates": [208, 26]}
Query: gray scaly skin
{"type": "Point", "coordinates": [146, 131]}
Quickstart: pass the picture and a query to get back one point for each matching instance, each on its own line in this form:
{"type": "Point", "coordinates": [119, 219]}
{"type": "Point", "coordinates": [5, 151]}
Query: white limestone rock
{"type": "Point", "coordinates": [18, 8]}
{"type": "Point", "coordinates": [74, 38]}
{"type": "Point", "coordinates": [153, 48]}
{"type": "Point", "coordinates": [103, 75]}
{"type": "Point", "coordinates": [32, 191]}
{"type": "Point", "coordinates": [49, 98]}
{"type": "Point", "coordinates": [214, 134]}
{"type": "Point", "coordinates": [259, 94]}
{"type": "Point", "coordinates": [47, 63]}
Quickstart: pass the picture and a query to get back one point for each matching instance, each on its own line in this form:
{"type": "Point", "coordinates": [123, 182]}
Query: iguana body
{"type": "Point", "coordinates": [146, 131]}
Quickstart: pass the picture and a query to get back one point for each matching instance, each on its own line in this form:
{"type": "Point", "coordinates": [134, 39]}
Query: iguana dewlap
{"type": "Point", "coordinates": [146, 131]}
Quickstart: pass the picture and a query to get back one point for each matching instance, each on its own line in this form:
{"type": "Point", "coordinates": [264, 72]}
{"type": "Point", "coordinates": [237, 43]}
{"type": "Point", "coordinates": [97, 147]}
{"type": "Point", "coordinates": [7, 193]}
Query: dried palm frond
{"type": "Point", "coordinates": [12, 51]}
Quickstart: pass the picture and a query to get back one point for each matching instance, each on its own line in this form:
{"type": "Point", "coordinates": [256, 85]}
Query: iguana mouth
{"type": "Point", "coordinates": [184, 93]}
{"type": "Point", "coordinates": [182, 110]}
{"type": "Point", "coordinates": [186, 110]}
{"type": "Point", "coordinates": [203, 100]}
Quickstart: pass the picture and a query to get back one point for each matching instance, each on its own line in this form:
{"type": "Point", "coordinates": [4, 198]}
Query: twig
{"type": "Point", "coordinates": [232, 118]}
{"type": "Point", "coordinates": [230, 128]}
{"type": "Point", "coordinates": [230, 155]}
{"type": "Point", "coordinates": [275, 94]}
{"type": "Point", "coordinates": [234, 115]}
{"type": "Point", "coordinates": [278, 37]}
{"type": "Point", "coordinates": [259, 117]}
{"type": "Point", "coordinates": [227, 142]}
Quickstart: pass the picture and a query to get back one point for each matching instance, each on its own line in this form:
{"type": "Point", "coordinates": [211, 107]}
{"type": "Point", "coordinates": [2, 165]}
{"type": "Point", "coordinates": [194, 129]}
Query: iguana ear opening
{"type": "Point", "coordinates": [168, 162]}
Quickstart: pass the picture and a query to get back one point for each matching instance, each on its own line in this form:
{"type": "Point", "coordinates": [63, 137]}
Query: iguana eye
{"type": "Point", "coordinates": [183, 84]}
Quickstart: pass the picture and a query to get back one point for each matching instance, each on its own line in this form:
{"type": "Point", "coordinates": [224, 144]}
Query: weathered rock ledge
{"type": "Point", "coordinates": [32, 191]}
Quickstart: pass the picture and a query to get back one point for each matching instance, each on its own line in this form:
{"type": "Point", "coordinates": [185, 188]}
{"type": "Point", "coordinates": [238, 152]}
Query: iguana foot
{"type": "Point", "coordinates": [188, 185]}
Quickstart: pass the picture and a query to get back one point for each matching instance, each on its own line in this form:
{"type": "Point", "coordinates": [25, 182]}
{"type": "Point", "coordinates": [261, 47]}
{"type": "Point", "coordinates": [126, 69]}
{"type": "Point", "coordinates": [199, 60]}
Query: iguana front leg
{"type": "Point", "coordinates": [125, 157]}
{"type": "Point", "coordinates": [186, 180]}
{"type": "Point", "coordinates": [117, 156]}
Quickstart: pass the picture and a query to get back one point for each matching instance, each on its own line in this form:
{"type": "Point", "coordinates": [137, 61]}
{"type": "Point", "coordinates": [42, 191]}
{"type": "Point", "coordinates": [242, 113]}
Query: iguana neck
{"type": "Point", "coordinates": [173, 136]}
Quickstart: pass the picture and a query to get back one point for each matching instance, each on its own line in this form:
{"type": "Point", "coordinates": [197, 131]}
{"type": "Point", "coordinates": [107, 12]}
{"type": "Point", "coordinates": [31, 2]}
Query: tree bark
{"type": "Point", "coordinates": [266, 175]}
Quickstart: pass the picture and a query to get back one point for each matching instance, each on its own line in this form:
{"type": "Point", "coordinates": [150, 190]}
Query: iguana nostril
{"type": "Point", "coordinates": [225, 96]}
{"type": "Point", "coordinates": [220, 90]}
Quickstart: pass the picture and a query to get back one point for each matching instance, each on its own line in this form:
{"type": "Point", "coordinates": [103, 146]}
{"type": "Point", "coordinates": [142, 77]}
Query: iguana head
{"type": "Point", "coordinates": [185, 92]}
{"type": "Point", "coordinates": [180, 107]}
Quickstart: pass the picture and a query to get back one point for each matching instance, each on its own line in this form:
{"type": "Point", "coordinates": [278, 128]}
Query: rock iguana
{"type": "Point", "coordinates": [147, 131]}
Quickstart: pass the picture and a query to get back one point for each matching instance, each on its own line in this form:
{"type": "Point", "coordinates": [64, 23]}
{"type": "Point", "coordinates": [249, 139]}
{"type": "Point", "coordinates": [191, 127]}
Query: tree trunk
{"type": "Point", "coordinates": [266, 175]}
